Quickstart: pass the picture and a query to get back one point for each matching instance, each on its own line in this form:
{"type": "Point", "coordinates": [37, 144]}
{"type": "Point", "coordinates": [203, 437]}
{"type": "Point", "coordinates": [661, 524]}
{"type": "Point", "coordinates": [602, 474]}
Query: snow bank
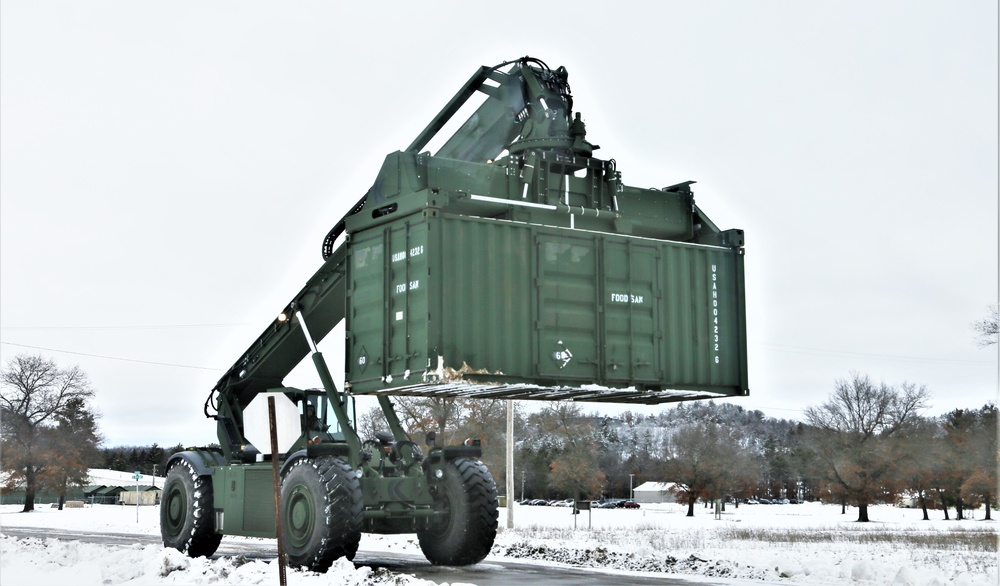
{"type": "Point", "coordinates": [777, 544]}
{"type": "Point", "coordinates": [785, 544]}
{"type": "Point", "coordinates": [30, 562]}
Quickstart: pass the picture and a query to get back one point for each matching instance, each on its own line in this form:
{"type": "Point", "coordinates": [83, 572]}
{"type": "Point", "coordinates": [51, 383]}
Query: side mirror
{"type": "Point", "coordinates": [431, 438]}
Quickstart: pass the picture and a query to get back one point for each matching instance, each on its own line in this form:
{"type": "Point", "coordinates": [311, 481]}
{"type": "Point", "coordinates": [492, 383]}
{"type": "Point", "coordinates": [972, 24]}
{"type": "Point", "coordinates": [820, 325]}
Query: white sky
{"type": "Point", "coordinates": [169, 171]}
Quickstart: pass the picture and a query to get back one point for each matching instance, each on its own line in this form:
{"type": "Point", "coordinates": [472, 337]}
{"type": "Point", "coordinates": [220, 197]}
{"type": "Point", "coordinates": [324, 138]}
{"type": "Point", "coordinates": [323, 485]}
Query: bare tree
{"type": "Point", "coordinates": [453, 420]}
{"type": "Point", "coordinates": [573, 467]}
{"type": "Point", "coordinates": [372, 422]}
{"type": "Point", "coordinates": [986, 328]}
{"type": "Point", "coordinates": [576, 474]}
{"type": "Point", "coordinates": [33, 393]}
{"type": "Point", "coordinates": [702, 461]}
{"type": "Point", "coordinates": [922, 464]}
{"type": "Point", "coordinates": [486, 420]}
{"type": "Point", "coordinates": [969, 477]}
{"type": "Point", "coordinates": [983, 483]}
{"type": "Point", "coordinates": [420, 415]}
{"type": "Point", "coordinates": [853, 433]}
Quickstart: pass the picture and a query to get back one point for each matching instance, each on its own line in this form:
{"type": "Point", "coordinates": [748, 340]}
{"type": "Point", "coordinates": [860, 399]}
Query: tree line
{"type": "Point", "coordinates": [150, 459]}
{"type": "Point", "coordinates": [868, 443]}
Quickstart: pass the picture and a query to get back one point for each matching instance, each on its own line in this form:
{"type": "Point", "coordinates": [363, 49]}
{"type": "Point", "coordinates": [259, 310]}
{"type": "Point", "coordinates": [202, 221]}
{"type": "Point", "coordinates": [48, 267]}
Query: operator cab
{"type": "Point", "coordinates": [302, 418]}
{"type": "Point", "coordinates": [318, 419]}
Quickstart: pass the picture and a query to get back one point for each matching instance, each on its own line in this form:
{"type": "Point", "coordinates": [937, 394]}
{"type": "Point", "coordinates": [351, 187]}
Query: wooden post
{"type": "Point", "coordinates": [282, 579]}
{"type": "Point", "coordinates": [510, 464]}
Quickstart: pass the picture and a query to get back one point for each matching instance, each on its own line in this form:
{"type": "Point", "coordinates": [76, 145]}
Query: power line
{"type": "Point", "coordinates": [125, 327]}
{"type": "Point", "coordinates": [111, 357]}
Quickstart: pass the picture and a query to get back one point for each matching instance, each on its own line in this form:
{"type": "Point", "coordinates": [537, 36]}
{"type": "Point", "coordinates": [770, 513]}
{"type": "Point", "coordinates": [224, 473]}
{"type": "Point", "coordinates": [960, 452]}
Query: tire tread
{"type": "Point", "coordinates": [465, 541]}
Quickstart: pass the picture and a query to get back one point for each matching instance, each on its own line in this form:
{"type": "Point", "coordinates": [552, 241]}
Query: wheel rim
{"type": "Point", "coordinates": [299, 517]}
{"type": "Point", "coordinates": [442, 504]}
{"type": "Point", "coordinates": [176, 509]}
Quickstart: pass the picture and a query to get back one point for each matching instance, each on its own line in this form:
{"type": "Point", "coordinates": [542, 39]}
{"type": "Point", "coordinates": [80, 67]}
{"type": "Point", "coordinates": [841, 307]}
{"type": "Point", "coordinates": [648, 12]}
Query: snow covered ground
{"type": "Point", "coordinates": [775, 544]}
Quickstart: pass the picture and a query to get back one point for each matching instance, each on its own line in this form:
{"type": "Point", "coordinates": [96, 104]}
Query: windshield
{"type": "Point", "coordinates": [319, 416]}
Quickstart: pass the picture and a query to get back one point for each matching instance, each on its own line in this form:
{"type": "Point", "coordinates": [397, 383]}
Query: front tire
{"type": "Point", "coordinates": [321, 512]}
{"type": "Point", "coordinates": [187, 522]}
{"type": "Point", "coordinates": [464, 534]}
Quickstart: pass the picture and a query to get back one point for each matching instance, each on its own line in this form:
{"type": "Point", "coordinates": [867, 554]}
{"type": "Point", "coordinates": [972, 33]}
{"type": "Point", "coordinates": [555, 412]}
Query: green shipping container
{"type": "Point", "coordinates": [457, 305]}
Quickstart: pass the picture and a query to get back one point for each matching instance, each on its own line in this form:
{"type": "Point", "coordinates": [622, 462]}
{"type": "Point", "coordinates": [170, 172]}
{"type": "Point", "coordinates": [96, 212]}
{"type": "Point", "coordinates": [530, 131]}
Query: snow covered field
{"type": "Point", "coordinates": [775, 544]}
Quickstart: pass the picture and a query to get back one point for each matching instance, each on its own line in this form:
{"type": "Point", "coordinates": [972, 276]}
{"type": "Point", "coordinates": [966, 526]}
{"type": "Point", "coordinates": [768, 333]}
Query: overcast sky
{"type": "Point", "coordinates": [169, 171]}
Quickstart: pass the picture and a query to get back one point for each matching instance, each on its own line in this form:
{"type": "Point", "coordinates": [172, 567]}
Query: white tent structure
{"type": "Point", "coordinates": [150, 487]}
{"type": "Point", "coordinates": [147, 495]}
{"type": "Point", "coordinates": [654, 492]}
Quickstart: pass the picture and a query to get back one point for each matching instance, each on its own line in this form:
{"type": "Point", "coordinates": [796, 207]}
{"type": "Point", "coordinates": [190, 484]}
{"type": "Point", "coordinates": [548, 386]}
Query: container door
{"type": "Point", "coordinates": [406, 319]}
{"type": "Point", "coordinates": [632, 322]}
{"type": "Point", "coordinates": [366, 307]}
{"type": "Point", "coordinates": [568, 305]}
{"type": "Point", "coordinates": [387, 308]}
{"type": "Point", "coordinates": [704, 315]}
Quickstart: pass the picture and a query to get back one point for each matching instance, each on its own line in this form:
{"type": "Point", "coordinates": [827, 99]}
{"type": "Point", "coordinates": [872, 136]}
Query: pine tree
{"type": "Point", "coordinates": [69, 447]}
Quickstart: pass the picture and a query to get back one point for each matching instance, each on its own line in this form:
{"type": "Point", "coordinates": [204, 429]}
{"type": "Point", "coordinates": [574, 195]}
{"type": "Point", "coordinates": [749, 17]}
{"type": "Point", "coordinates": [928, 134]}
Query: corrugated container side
{"type": "Point", "coordinates": [441, 295]}
{"type": "Point", "coordinates": [485, 306]}
{"type": "Point", "coordinates": [703, 316]}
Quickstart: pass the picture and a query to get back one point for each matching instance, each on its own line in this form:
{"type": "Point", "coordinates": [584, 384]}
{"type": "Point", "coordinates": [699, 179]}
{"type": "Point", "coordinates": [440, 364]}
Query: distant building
{"type": "Point", "coordinates": [147, 495]}
{"type": "Point", "coordinates": [105, 487]}
{"type": "Point", "coordinates": [655, 492]}
{"type": "Point", "coordinates": [107, 495]}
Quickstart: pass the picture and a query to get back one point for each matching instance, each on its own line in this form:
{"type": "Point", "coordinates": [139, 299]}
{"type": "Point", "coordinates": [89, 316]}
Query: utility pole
{"type": "Point", "coordinates": [630, 494]}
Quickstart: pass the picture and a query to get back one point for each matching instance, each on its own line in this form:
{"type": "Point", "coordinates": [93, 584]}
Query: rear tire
{"type": "Point", "coordinates": [321, 512]}
{"type": "Point", "coordinates": [465, 533]}
{"type": "Point", "coordinates": [187, 520]}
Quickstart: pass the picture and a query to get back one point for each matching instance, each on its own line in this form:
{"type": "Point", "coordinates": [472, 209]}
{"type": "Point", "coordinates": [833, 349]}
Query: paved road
{"type": "Point", "coordinates": [488, 573]}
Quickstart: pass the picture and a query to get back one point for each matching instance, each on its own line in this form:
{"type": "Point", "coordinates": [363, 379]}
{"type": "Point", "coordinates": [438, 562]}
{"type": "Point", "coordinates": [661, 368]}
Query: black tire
{"type": "Point", "coordinates": [321, 512]}
{"type": "Point", "coordinates": [187, 519]}
{"type": "Point", "coordinates": [464, 534]}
